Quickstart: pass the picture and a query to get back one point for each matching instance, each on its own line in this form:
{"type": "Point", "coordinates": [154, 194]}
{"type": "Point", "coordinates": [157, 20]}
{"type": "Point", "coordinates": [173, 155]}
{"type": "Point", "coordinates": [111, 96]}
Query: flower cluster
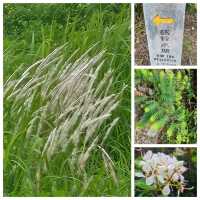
{"type": "Point", "coordinates": [163, 171]}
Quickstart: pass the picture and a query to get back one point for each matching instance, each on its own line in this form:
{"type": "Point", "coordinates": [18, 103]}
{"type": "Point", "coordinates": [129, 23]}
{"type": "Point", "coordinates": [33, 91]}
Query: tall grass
{"type": "Point", "coordinates": [67, 116]}
{"type": "Point", "coordinates": [70, 110]}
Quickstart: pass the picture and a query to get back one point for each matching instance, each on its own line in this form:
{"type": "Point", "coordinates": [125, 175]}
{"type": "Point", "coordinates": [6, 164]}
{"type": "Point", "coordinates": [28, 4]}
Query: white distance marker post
{"type": "Point", "coordinates": [164, 28]}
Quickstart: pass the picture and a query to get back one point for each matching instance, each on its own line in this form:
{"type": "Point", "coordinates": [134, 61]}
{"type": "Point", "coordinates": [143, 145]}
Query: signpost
{"type": "Point", "coordinates": [164, 27]}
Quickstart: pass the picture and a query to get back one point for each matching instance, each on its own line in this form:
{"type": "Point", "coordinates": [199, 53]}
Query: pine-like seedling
{"type": "Point", "coordinates": [165, 105]}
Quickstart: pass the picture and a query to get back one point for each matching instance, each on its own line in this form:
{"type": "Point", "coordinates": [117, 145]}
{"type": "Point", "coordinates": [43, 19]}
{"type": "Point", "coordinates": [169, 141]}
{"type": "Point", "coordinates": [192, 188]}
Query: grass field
{"type": "Point", "coordinates": [98, 164]}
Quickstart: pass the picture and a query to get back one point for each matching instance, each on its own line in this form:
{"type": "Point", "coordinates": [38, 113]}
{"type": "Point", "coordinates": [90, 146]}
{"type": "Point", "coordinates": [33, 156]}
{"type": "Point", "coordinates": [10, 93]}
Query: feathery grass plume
{"type": "Point", "coordinates": [65, 104]}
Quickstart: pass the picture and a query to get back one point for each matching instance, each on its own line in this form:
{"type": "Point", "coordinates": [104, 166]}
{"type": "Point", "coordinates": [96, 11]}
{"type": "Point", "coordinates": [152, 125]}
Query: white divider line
{"type": "Point", "coordinates": [132, 100]}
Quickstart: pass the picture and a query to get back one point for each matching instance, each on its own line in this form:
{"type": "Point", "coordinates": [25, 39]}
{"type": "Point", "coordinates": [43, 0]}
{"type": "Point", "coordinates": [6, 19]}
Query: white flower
{"type": "Point", "coordinates": [162, 170]}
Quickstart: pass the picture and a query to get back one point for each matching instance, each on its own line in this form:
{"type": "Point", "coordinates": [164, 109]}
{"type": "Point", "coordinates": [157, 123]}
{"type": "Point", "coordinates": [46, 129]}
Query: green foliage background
{"type": "Point", "coordinates": [32, 31]}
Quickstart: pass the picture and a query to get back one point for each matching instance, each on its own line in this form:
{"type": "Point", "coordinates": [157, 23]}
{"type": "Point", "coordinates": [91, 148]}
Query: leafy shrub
{"type": "Point", "coordinates": [166, 104]}
{"type": "Point", "coordinates": [19, 17]}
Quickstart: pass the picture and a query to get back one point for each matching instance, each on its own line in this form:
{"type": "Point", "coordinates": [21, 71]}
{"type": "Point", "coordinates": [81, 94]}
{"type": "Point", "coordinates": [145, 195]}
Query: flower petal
{"type": "Point", "coordinates": [182, 179]}
{"type": "Point", "coordinates": [146, 168]}
{"type": "Point", "coordinates": [142, 162]}
{"type": "Point", "coordinates": [183, 169]}
{"type": "Point", "coordinates": [166, 190]}
{"type": "Point", "coordinates": [139, 174]}
{"type": "Point", "coordinates": [148, 155]}
{"type": "Point", "coordinates": [179, 163]}
{"type": "Point", "coordinates": [175, 177]}
{"type": "Point", "coordinates": [161, 179]}
{"type": "Point", "coordinates": [150, 180]}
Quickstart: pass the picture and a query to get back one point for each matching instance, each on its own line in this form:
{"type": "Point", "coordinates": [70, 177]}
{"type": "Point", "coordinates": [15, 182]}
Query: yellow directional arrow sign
{"type": "Point", "coordinates": [157, 20]}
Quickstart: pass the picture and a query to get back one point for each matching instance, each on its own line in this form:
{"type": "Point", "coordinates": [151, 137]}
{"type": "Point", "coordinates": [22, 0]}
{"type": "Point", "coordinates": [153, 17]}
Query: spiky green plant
{"type": "Point", "coordinates": [60, 108]}
{"type": "Point", "coordinates": [166, 105]}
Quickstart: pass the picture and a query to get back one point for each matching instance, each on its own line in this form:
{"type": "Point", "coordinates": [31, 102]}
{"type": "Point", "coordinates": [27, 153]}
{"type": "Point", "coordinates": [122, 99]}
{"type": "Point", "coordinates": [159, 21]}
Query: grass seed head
{"type": "Point", "coordinates": [67, 103]}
